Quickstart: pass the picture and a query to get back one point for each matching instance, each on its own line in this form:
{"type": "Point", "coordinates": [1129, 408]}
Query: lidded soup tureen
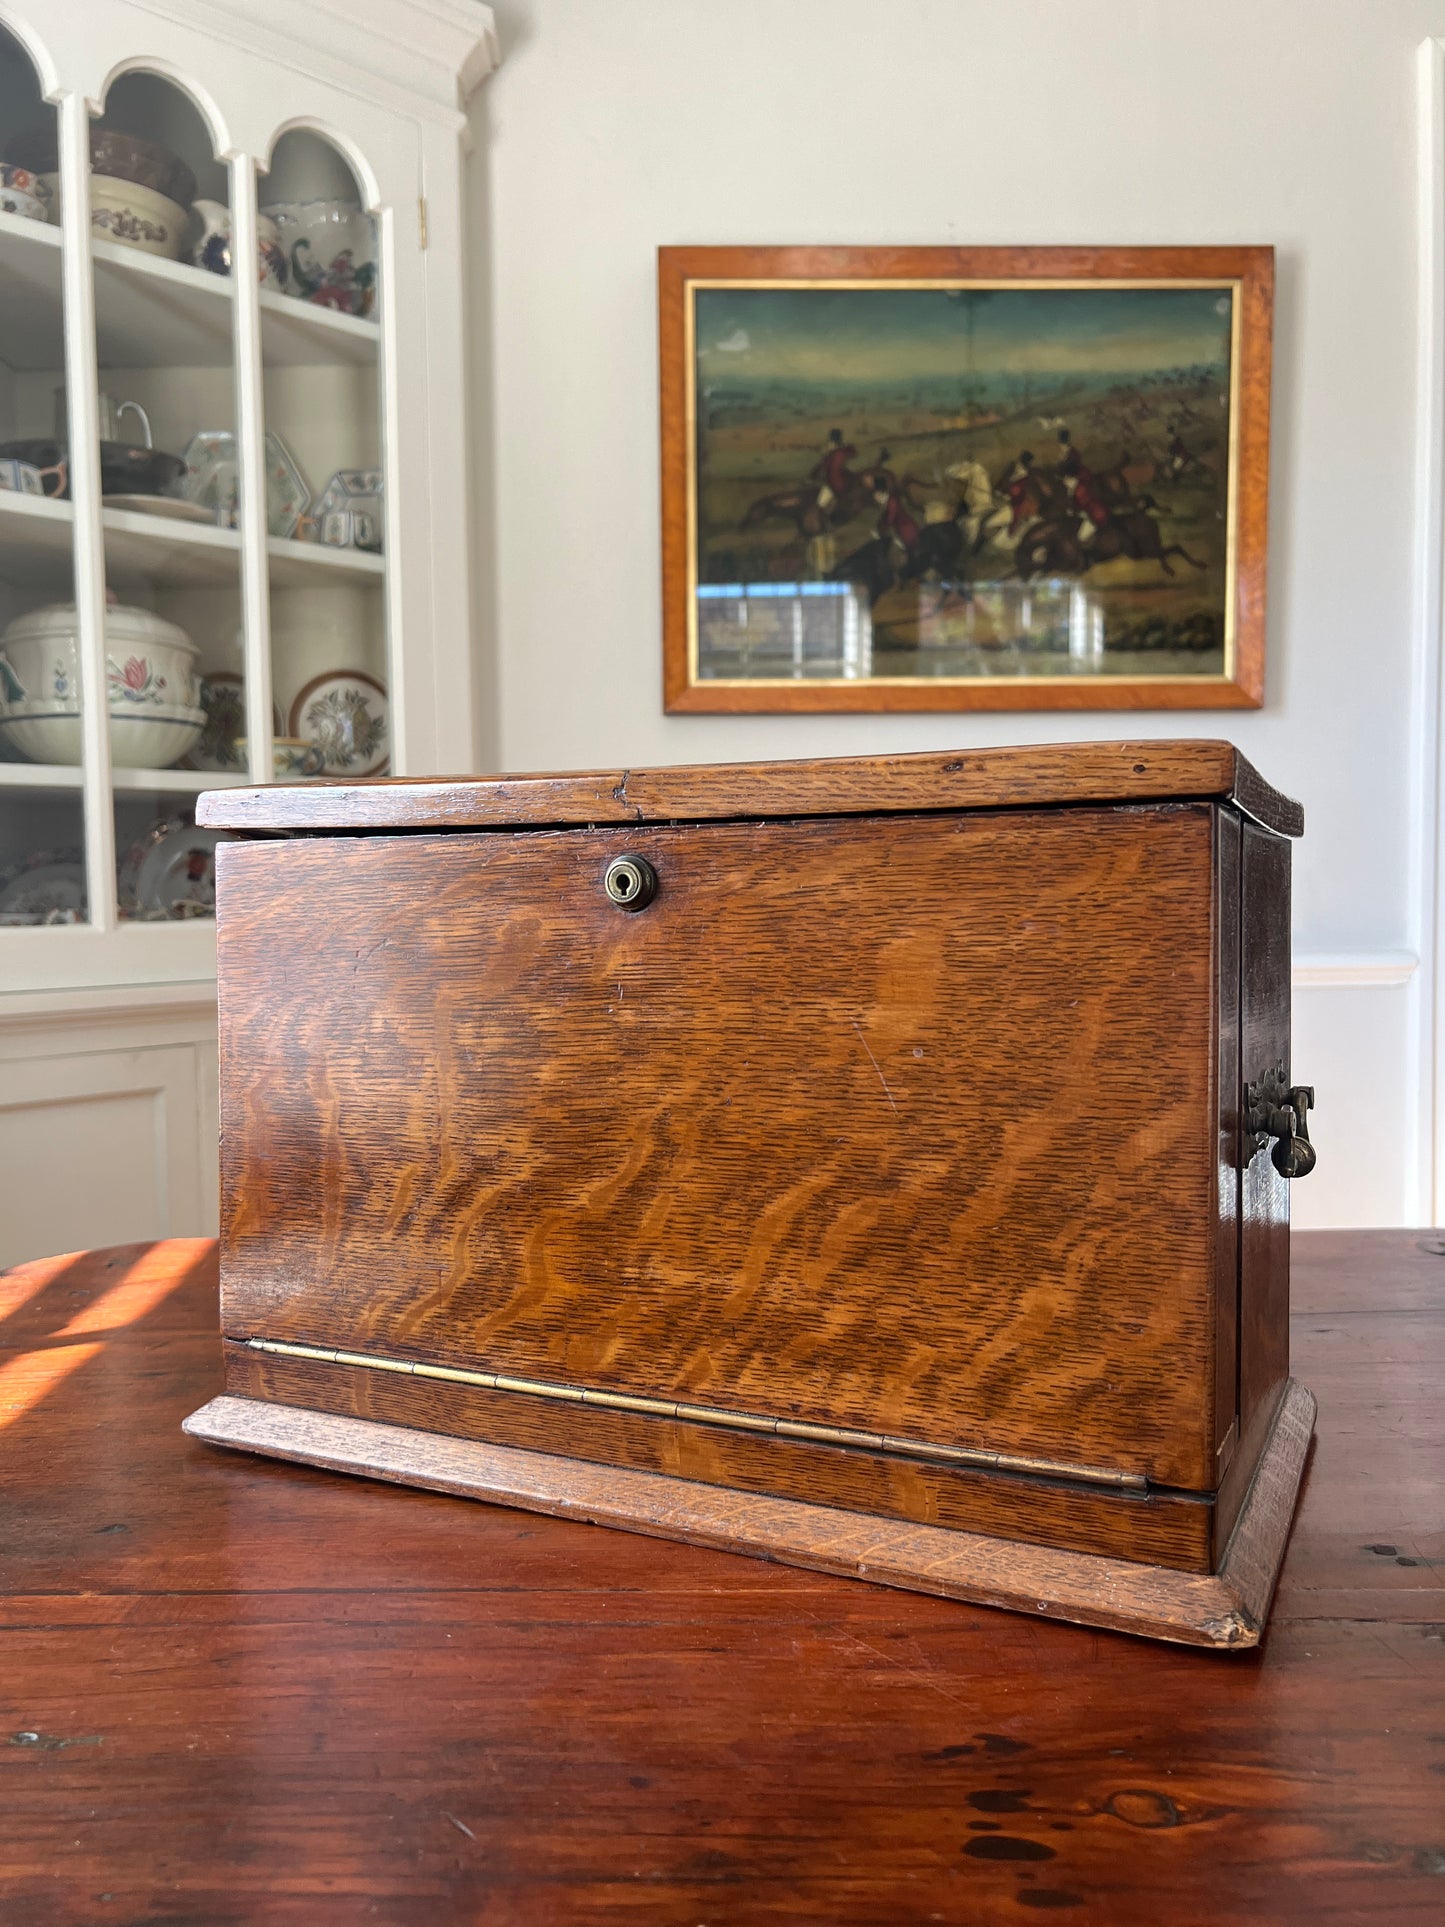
{"type": "Point", "coordinates": [151, 687]}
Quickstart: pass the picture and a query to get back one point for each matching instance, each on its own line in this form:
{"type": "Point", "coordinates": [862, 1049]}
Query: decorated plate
{"type": "Point", "coordinates": [210, 477]}
{"type": "Point", "coordinates": [48, 887]}
{"type": "Point", "coordinates": [170, 872]}
{"type": "Point", "coordinates": [223, 698]}
{"type": "Point", "coordinates": [212, 481]}
{"type": "Point", "coordinates": [287, 496]}
{"type": "Point", "coordinates": [344, 713]}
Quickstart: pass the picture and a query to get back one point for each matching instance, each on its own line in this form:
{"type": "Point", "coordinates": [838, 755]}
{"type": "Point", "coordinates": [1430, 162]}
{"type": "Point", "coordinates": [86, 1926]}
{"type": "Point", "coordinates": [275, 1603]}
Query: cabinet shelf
{"type": "Point", "coordinates": [153, 313]}
{"type": "Point", "coordinates": [36, 536]}
{"type": "Point", "coordinates": [181, 555]}
{"type": "Point", "coordinates": [298, 334]}
{"type": "Point", "coordinates": [305, 565]}
{"type": "Point", "coordinates": [31, 303]}
{"type": "Point", "coordinates": [28, 233]}
{"type": "Point", "coordinates": [36, 539]}
{"type": "Point", "coordinates": [68, 776]}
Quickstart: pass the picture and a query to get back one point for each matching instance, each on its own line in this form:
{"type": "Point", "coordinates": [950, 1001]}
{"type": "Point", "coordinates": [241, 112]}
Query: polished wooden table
{"type": "Point", "coordinates": [236, 1690]}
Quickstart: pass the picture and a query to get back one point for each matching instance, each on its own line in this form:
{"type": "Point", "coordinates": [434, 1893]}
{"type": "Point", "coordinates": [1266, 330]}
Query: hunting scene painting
{"type": "Point", "coordinates": [974, 484]}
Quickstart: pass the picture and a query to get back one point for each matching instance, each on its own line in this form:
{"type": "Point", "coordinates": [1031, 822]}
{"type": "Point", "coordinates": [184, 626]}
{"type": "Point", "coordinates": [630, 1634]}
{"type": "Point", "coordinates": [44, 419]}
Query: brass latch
{"type": "Point", "coordinates": [1278, 1110]}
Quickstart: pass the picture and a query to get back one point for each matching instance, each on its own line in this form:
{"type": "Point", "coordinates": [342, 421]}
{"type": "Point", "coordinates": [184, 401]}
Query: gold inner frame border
{"type": "Point", "coordinates": [1230, 284]}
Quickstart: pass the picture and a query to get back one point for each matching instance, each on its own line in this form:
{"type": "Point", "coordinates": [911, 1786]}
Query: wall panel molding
{"type": "Point", "coordinates": [1366, 969]}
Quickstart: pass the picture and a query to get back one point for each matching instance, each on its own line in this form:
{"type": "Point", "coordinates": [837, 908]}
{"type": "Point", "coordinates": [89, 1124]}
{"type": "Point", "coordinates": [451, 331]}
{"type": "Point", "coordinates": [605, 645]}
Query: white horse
{"type": "Point", "coordinates": [982, 520]}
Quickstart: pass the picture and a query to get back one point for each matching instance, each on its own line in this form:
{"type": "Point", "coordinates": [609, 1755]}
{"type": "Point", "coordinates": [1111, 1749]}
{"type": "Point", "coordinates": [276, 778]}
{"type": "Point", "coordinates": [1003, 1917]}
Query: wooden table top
{"type": "Point", "coordinates": [236, 1690]}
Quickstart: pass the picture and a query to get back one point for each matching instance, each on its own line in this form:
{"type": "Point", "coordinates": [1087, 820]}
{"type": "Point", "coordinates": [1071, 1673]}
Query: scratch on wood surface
{"type": "Point", "coordinates": [460, 1825]}
{"type": "Point", "coordinates": [874, 1062]}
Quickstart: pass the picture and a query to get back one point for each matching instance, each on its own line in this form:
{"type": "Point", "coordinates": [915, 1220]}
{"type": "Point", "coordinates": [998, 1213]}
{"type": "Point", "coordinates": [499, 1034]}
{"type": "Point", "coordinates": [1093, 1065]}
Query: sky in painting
{"type": "Point", "coordinates": [882, 334]}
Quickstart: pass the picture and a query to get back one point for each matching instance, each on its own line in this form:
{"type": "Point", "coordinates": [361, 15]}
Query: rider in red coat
{"type": "Point", "coordinates": [832, 469]}
{"type": "Point", "coordinates": [895, 523]}
{"type": "Point", "coordinates": [1015, 487]}
{"type": "Point", "coordinates": [1083, 487]}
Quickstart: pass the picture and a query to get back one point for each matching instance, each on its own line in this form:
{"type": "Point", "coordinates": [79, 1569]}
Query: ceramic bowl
{"type": "Point", "coordinates": [48, 734]}
{"type": "Point", "coordinates": [330, 249]}
{"type": "Point", "coordinates": [292, 757]}
{"type": "Point", "coordinates": [150, 674]}
{"type": "Point", "coordinates": [23, 205]}
{"type": "Point", "coordinates": [136, 216]}
{"type": "Point", "coordinates": [23, 193]}
{"type": "Point", "coordinates": [123, 157]}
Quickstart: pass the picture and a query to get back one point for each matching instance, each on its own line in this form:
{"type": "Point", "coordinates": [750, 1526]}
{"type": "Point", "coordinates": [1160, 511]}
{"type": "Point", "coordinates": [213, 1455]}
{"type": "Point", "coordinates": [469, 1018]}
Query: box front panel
{"type": "Point", "coordinates": [903, 1124]}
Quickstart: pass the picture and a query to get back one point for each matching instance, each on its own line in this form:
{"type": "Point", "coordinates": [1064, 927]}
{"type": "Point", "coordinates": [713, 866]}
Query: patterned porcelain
{"type": "Point", "coordinates": [48, 887]}
{"type": "Point", "coordinates": [22, 478]}
{"type": "Point", "coordinates": [292, 758]}
{"type": "Point", "coordinates": [24, 193]}
{"type": "Point", "coordinates": [44, 733]}
{"type": "Point", "coordinates": [330, 249]}
{"type": "Point", "coordinates": [211, 474]}
{"type": "Point", "coordinates": [212, 479]}
{"type": "Point", "coordinates": [136, 216]}
{"type": "Point", "coordinates": [170, 872]}
{"type": "Point", "coordinates": [348, 514]}
{"type": "Point", "coordinates": [344, 713]}
{"type": "Point", "coordinates": [155, 714]}
{"type": "Point", "coordinates": [287, 496]}
{"type": "Point", "coordinates": [211, 247]}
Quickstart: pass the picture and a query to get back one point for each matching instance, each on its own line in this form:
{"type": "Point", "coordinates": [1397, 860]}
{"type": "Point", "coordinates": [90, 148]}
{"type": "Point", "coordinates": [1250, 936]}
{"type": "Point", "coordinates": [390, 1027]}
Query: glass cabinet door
{"type": "Point", "coordinates": [165, 357]}
{"type": "Point", "coordinates": [325, 465]}
{"type": "Point", "coordinates": [42, 802]}
{"type": "Point", "coordinates": [213, 315]}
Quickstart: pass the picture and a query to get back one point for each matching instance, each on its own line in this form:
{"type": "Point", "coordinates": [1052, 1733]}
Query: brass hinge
{"type": "Point", "coordinates": [421, 220]}
{"type": "Point", "coordinates": [960, 1455]}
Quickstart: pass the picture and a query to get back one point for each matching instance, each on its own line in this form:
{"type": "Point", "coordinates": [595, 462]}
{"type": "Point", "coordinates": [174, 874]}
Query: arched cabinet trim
{"type": "Point", "coordinates": [185, 84]}
{"type": "Point", "coordinates": [372, 197]}
{"type": "Point", "coordinates": [28, 39]}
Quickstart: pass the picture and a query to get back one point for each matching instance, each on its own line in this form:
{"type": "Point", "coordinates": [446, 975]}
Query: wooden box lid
{"type": "Point", "coordinates": [976, 779]}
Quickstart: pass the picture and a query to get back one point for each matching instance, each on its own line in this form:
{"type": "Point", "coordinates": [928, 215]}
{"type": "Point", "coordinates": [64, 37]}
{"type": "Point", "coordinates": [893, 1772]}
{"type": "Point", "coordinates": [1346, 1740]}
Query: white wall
{"type": "Point", "coordinates": [616, 125]}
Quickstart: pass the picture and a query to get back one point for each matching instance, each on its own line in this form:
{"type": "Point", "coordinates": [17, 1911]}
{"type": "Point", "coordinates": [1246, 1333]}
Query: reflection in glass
{"type": "Point", "coordinates": [793, 629]}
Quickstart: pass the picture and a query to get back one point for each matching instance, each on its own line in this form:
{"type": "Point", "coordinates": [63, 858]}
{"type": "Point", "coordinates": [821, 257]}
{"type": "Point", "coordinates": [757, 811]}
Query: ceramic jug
{"type": "Point", "coordinates": [211, 247]}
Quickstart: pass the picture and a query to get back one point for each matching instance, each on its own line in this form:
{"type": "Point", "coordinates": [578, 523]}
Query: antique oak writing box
{"type": "Point", "coordinates": [876, 1164]}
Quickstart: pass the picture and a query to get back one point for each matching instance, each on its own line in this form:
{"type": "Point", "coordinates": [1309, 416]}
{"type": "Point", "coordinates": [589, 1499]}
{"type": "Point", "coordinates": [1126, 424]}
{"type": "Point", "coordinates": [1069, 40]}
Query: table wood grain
{"type": "Point", "coordinates": [236, 1690]}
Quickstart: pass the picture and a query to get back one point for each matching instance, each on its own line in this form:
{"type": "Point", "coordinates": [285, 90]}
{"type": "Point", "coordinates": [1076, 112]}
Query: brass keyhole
{"type": "Point", "coordinates": [630, 882]}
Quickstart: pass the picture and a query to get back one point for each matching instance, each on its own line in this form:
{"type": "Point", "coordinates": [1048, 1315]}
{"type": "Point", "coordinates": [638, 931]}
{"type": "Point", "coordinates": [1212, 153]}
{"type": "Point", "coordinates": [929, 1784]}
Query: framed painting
{"type": "Point", "coordinates": [964, 478]}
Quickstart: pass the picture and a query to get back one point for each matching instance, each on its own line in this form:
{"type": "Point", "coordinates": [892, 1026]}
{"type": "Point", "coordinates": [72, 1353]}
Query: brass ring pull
{"type": "Point", "coordinates": [1277, 1110]}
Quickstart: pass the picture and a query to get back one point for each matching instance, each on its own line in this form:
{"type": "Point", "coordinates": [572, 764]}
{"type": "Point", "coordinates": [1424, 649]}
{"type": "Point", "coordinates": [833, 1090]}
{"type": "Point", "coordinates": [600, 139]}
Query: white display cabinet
{"type": "Point", "coordinates": [313, 555]}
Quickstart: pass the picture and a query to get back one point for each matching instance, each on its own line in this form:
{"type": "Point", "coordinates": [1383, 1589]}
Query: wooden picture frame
{"type": "Point", "coordinates": [1052, 469]}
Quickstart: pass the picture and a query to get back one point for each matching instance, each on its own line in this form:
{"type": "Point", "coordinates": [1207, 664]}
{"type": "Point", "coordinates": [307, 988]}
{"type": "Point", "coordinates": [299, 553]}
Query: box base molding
{"type": "Point", "coordinates": [1225, 1610]}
